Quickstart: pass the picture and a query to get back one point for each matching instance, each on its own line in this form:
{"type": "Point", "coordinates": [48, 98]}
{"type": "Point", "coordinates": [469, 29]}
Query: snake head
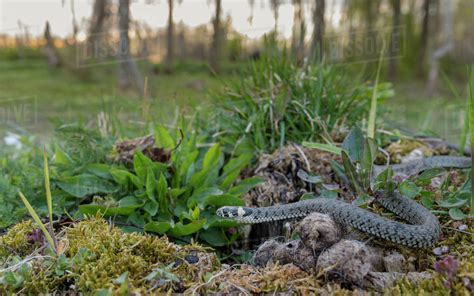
{"type": "Point", "coordinates": [233, 212]}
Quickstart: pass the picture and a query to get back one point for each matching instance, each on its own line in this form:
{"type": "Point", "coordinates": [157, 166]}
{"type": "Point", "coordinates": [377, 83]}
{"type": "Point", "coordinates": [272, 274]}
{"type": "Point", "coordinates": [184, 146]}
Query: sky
{"type": "Point", "coordinates": [34, 14]}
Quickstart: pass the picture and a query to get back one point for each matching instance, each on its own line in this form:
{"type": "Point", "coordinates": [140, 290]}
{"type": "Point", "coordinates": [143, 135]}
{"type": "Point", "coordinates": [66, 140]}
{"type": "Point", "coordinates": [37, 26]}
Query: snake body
{"type": "Point", "coordinates": [423, 230]}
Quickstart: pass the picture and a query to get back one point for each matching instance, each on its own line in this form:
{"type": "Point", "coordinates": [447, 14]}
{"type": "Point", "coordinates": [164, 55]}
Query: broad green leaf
{"type": "Point", "coordinates": [211, 158]}
{"type": "Point", "coordinates": [141, 164]}
{"type": "Point", "coordinates": [85, 184]}
{"type": "Point", "coordinates": [61, 157]}
{"type": "Point", "coordinates": [329, 194]}
{"type": "Point", "coordinates": [162, 188]}
{"type": "Point", "coordinates": [214, 221]}
{"type": "Point", "coordinates": [223, 200]}
{"type": "Point", "coordinates": [151, 185]}
{"type": "Point", "coordinates": [426, 199]}
{"type": "Point", "coordinates": [245, 186]}
{"type": "Point", "coordinates": [123, 177]}
{"type": "Point", "coordinates": [457, 214]}
{"type": "Point", "coordinates": [151, 207]}
{"type": "Point", "coordinates": [353, 144]}
{"type": "Point", "coordinates": [200, 195]}
{"type": "Point", "coordinates": [180, 229]}
{"type": "Point", "coordinates": [157, 227]}
{"type": "Point", "coordinates": [214, 237]}
{"type": "Point", "coordinates": [233, 168]}
{"type": "Point", "coordinates": [99, 169]}
{"type": "Point", "coordinates": [323, 147]}
{"type": "Point", "coordinates": [127, 206]}
{"type": "Point", "coordinates": [452, 203]}
{"type": "Point", "coordinates": [409, 189]}
{"type": "Point", "coordinates": [361, 200]}
{"type": "Point", "coordinates": [163, 138]}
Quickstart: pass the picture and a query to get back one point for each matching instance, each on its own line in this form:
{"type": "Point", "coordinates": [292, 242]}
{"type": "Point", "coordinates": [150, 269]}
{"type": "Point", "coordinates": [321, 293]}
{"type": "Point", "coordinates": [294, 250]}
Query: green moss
{"type": "Point", "coordinates": [16, 241]}
{"type": "Point", "coordinates": [96, 255]}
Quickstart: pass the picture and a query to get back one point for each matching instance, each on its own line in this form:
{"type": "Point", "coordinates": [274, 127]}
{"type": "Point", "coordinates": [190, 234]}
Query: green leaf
{"type": "Point", "coordinates": [163, 138]}
{"type": "Point", "coordinates": [123, 177]}
{"type": "Point", "coordinates": [351, 173]}
{"type": "Point", "coordinates": [457, 214]}
{"type": "Point", "coordinates": [201, 194]}
{"type": "Point", "coordinates": [214, 237]}
{"type": "Point", "coordinates": [157, 227]}
{"type": "Point", "coordinates": [151, 207]}
{"type": "Point", "coordinates": [223, 200]}
{"type": "Point", "coordinates": [323, 147]}
{"type": "Point", "coordinates": [38, 221]}
{"type": "Point", "coordinates": [245, 186]}
{"type": "Point", "coordinates": [426, 176]}
{"type": "Point", "coordinates": [85, 184]}
{"type": "Point", "coordinates": [353, 144]}
{"type": "Point", "coordinates": [409, 189]}
{"type": "Point", "coordinates": [361, 200]}
{"type": "Point", "coordinates": [309, 178]}
{"type": "Point", "coordinates": [452, 203]}
{"type": "Point", "coordinates": [180, 229]}
{"type": "Point", "coordinates": [141, 164]}
{"type": "Point", "coordinates": [151, 185]}
{"type": "Point", "coordinates": [233, 168]}
{"type": "Point", "coordinates": [127, 206]}
{"type": "Point", "coordinates": [426, 199]}
{"type": "Point", "coordinates": [373, 101]}
{"type": "Point", "coordinates": [61, 157]}
{"type": "Point", "coordinates": [162, 188]}
{"type": "Point", "coordinates": [211, 158]}
{"type": "Point", "coordinates": [99, 169]}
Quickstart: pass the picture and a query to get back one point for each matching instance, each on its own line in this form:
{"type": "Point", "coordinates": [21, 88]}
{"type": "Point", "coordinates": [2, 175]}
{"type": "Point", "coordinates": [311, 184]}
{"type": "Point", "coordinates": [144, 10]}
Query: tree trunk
{"type": "Point", "coordinates": [424, 37]}
{"type": "Point", "coordinates": [214, 59]}
{"type": "Point", "coordinates": [97, 23]}
{"type": "Point", "coordinates": [170, 39]}
{"type": "Point", "coordinates": [318, 31]}
{"type": "Point", "coordinates": [129, 77]}
{"type": "Point", "coordinates": [299, 31]}
{"type": "Point", "coordinates": [50, 50]}
{"type": "Point", "coordinates": [394, 39]}
{"type": "Point", "coordinates": [445, 48]}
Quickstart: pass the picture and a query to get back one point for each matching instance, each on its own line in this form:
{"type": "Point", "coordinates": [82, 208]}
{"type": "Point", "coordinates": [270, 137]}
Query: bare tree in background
{"type": "Point", "coordinates": [215, 52]}
{"type": "Point", "coordinates": [395, 38]}
{"type": "Point", "coordinates": [99, 14]}
{"type": "Point", "coordinates": [275, 5]}
{"type": "Point", "coordinates": [170, 39]}
{"type": "Point", "coordinates": [299, 31]}
{"type": "Point", "coordinates": [424, 37]}
{"type": "Point", "coordinates": [318, 31]}
{"type": "Point", "coordinates": [446, 46]}
{"type": "Point", "coordinates": [49, 49]}
{"type": "Point", "coordinates": [129, 77]}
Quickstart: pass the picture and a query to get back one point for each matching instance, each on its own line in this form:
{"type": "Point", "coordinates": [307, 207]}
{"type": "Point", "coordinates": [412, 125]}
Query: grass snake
{"type": "Point", "coordinates": [423, 230]}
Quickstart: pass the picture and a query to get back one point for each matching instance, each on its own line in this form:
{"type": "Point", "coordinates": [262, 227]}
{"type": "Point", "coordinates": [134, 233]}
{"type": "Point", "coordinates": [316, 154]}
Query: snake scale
{"type": "Point", "coordinates": [423, 230]}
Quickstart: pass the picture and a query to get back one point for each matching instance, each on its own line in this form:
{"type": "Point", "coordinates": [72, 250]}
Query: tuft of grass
{"type": "Point", "coordinates": [278, 102]}
{"type": "Point", "coordinates": [373, 101]}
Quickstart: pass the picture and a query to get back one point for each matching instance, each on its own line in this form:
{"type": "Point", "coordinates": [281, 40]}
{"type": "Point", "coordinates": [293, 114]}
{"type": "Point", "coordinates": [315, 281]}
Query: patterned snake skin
{"type": "Point", "coordinates": [423, 232]}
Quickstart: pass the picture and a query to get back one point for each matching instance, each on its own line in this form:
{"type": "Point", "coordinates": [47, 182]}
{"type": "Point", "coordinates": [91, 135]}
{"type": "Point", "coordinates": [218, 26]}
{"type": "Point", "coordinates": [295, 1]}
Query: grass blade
{"type": "Point", "coordinates": [373, 103]}
{"type": "Point", "coordinates": [471, 111]}
{"type": "Point", "coordinates": [47, 187]}
{"type": "Point", "coordinates": [41, 225]}
{"type": "Point", "coordinates": [323, 147]}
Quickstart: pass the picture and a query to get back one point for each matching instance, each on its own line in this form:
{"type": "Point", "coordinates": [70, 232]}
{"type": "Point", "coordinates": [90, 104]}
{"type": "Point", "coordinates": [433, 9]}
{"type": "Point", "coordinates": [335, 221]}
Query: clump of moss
{"type": "Point", "coordinates": [97, 255]}
{"type": "Point", "coordinates": [18, 241]}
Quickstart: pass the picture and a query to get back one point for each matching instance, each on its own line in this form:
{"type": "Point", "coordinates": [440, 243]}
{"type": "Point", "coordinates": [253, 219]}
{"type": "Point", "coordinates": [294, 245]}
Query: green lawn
{"type": "Point", "coordinates": [32, 96]}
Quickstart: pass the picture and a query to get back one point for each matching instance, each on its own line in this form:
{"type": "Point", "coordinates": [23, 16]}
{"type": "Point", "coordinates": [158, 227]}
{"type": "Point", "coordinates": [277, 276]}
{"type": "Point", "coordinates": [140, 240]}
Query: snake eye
{"type": "Point", "coordinates": [224, 212]}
